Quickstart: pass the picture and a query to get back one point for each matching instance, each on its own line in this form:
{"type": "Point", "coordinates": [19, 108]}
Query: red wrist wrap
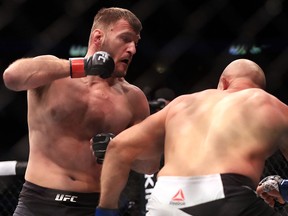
{"type": "Point", "coordinates": [77, 67]}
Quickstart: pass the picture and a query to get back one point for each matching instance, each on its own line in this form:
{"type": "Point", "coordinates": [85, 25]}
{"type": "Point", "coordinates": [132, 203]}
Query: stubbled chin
{"type": "Point", "coordinates": [121, 69]}
{"type": "Point", "coordinates": [121, 73]}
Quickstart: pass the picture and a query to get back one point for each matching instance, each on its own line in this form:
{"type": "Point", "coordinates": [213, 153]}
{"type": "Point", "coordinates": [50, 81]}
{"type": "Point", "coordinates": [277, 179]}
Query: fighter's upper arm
{"type": "Point", "coordinates": [143, 141]}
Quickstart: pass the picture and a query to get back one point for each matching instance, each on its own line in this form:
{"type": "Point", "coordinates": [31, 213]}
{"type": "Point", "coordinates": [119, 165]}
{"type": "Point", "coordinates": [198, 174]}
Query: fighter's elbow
{"type": "Point", "coordinates": [151, 170]}
{"type": "Point", "coordinates": [148, 167]}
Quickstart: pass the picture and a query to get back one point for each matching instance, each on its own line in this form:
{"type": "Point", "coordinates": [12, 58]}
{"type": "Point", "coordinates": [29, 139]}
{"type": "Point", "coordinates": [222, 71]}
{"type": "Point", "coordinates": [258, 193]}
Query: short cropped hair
{"type": "Point", "coordinates": [107, 16]}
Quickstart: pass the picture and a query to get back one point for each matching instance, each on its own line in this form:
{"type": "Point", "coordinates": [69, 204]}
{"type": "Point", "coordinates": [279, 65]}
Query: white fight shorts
{"type": "Point", "coordinates": [209, 195]}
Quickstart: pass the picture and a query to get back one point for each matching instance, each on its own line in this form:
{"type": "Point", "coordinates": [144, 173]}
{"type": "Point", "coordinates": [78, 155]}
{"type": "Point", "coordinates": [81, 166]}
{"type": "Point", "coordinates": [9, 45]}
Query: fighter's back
{"type": "Point", "coordinates": [217, 131]}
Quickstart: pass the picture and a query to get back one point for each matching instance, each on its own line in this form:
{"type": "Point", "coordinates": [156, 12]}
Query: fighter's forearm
{"type": "Point", "coordinates": [114, 178]}
{"type": "Point", "coordinates": [29, 73]}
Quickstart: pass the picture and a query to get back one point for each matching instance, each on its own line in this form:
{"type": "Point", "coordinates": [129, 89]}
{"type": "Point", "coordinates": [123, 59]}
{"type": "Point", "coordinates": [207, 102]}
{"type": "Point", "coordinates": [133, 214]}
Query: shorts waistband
{"type": "Point", "coordinates": [233, 179]}
{"type": "Point", "coordinates": [68, 197]}
{"type": "Point", "coordinates": [187, 191]}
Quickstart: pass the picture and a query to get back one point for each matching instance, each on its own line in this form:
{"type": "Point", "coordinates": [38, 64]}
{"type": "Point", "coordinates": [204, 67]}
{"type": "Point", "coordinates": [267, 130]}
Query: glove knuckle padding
{"type": "Point", "coordinates": [275, 182]}
{"type": "Point", "coordinates": [270, 183]}
{"type": "Point", "coordinates": [101, 63]}
{"type": "Point", "coordinates": [99, 145]}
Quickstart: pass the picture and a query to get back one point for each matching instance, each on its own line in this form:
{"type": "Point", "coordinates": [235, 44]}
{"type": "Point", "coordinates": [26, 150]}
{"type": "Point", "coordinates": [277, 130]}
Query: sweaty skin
{"type": "Point", "coordinates": [232, 129]}
{"type": "Point", "coordinates": [64, 113]}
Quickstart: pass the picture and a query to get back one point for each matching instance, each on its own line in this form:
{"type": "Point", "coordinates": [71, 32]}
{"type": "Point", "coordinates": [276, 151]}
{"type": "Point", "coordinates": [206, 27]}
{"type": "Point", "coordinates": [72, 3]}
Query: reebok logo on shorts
{"type": "Point", "coordinates": [66, 198]}
{"type": "Point", "coordinates": [178, 198]}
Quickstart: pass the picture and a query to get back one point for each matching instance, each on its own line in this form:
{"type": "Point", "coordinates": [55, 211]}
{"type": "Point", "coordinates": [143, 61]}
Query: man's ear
{"type": "Point", "coordinates": [98, 37]}
{"type": "Point", "coordinates": [223, 84]}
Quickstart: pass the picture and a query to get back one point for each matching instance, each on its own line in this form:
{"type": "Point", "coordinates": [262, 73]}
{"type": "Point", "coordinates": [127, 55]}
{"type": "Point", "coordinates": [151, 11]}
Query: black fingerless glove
{"type": "Point", "coordinates": [99, 145]}
{"type": "Point", "coordinates": [100, 64]}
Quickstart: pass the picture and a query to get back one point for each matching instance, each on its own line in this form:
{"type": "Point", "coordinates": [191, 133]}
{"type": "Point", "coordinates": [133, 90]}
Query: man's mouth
{"type": "Point", "coordinates": [125, 61]}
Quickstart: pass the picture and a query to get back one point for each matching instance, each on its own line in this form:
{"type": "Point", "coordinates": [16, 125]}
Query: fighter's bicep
{"type": "Point", "coordinates": [145, 138]}
{"type": "Point", "coordinates": [152, 137]}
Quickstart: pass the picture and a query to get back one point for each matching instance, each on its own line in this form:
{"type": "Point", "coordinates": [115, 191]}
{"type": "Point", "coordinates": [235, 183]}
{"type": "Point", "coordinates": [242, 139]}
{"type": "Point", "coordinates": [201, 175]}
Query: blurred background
{"type": "Point", "coordinates": [185, 46]}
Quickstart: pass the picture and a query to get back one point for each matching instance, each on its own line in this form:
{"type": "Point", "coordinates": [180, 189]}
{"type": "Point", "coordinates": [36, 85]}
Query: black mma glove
{"type": "Point", "coordinates": [99, 145]}
{"type": "Point", "coordinates": [100, 64]}
{"type": "Point", "coordinates": [275, 182]}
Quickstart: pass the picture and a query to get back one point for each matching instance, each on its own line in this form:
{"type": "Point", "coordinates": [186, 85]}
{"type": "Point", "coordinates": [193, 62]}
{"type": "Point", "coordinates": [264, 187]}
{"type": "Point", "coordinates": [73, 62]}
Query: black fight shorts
{"type": "Point", "coordinates": [35, 200]}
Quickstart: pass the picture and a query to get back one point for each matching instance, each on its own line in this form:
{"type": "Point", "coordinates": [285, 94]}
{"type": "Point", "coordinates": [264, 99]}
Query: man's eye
{"type": "Point", "coordinates": [127, 39]}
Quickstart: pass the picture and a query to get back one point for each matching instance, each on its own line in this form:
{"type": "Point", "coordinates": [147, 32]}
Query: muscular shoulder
{"type": "Point", "coordinates": [260, 105]}
{"type": "Point", "coordinates": [46, 57]}
{"type": "Point", "coordinates": [260, 97]}
{"type": "Point", "coordinates": [132, 90]}
{"type": "Point", "coordinates": [193, 98]}
{"type": "Point", "coordinates": [137, 100]}
{"type": "Point", "coordinates": [128, 85]}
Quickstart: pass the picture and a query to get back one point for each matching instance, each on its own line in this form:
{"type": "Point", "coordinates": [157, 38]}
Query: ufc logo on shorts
{"type": "Point", "coordinates": [65, 198]}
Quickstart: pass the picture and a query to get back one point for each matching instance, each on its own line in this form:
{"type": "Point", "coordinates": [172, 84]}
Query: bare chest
{"type": "Point", "coordinates": [91, 111]}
